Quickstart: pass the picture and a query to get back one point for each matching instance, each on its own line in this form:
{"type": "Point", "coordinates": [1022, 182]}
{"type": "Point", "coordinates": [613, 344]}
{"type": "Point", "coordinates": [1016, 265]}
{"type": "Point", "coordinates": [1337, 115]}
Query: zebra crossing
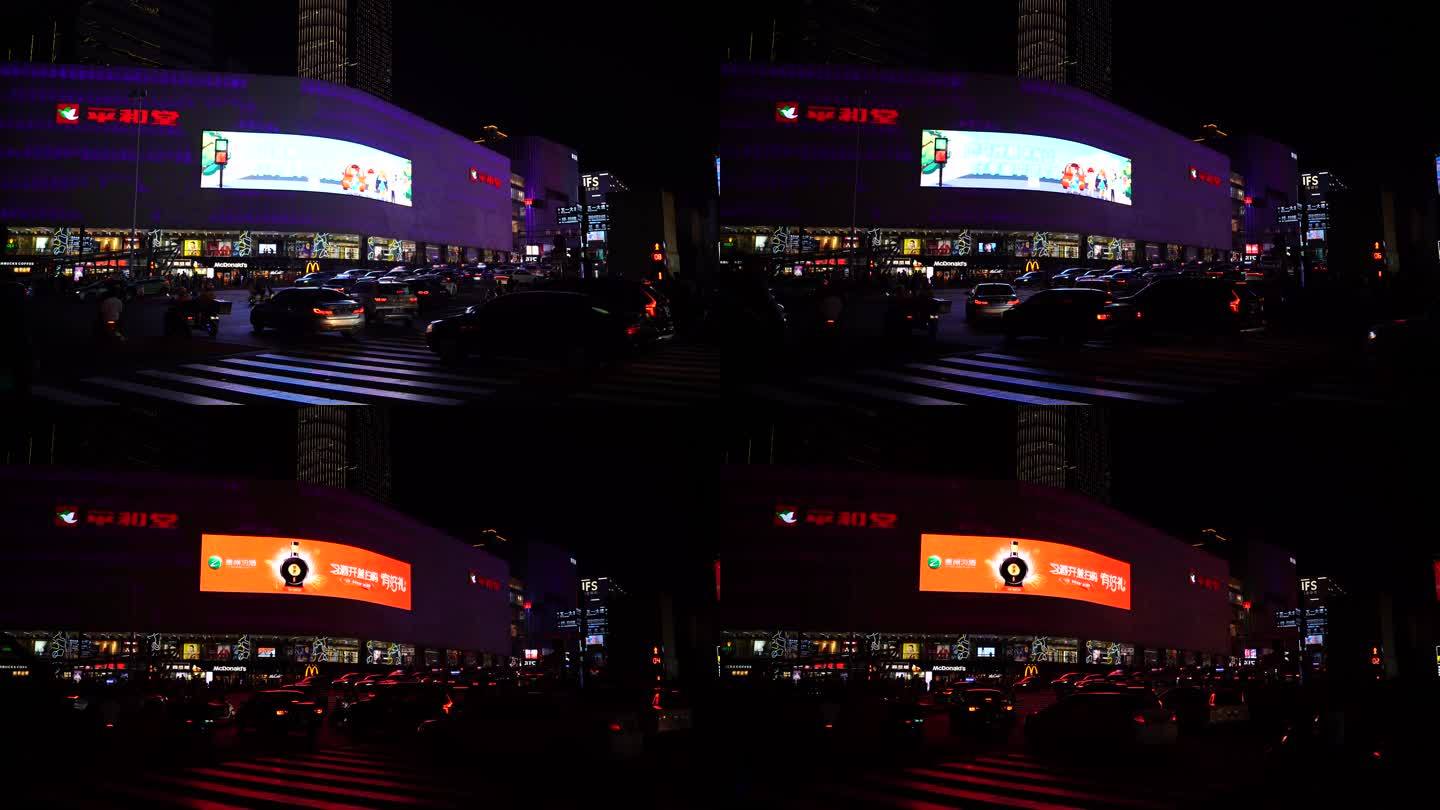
{"type": "Point", "coordinates": [1002, 779]}
{"type": "Point", "coordinates": [387, 370]}
{"type": "Point", "coordinates": [1094, 374]}
{"type": "Point", "coordinates": [339, 778]}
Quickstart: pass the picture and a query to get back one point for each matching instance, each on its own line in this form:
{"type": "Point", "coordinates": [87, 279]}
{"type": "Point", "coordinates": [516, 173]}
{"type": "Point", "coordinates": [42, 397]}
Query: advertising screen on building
{"type": "Point", "coordinates": [1019, 162]}
{"type": "Point", "coordinates": [277, 162]}
{"type": "Point", "coordinates": [299, 567]}
{"type": "Point", "coordinates": [954, 563]}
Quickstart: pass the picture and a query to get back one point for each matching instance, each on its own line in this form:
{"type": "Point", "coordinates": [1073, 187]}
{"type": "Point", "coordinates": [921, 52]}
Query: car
{"type": "Point", "coordinates": [1100, 724]}
{"type": "Point", "coordinates": [645, 310]}
{"type": "Point", "coordinates": [1034, 278]}
{"type": "Point", "coordinates": [1067, 277]}
{"type": "Point", "coordinates": [1409, 342]}
{"type": "Point", "coordinates": [990, 301]}
{"type": "Point", "coordinates": [398, 274]}
{"type": "Point", "coordinates": [1066, 682]}
{"type": "Point", "coordinates": [574, 327]}
{"type": "Point", "coordinates": [280, 712]}
{"type": "Point", "coordinates": [394, 709]}
{"type": "Point", "coordinates": [385, 301]}
{"type": "Point", "coordinates": [980, 708]}
{"type": "Point", "coordinates": [527, 276]}
{"type": "Point", "coordinates": [154, 285]}
{"type": "Point", "coordinates": [312, 309]}
{"type": "Point", "coordinates": [1197, 707]}
{"type": "Point", "coordinates": [98, 289]}
{"type": "Point", "coordinates": [528, 722]}
{"type": "Point", "coordinates": [373, 274]}
{"type": "Point", "coordinates": [349, 276]}
{"type": "Point", "coordinates": [316, 279]}
{"type": "Point", "coordinates": [431, 292]}
{"type": "Point", "coordinates": [1029, 682]}
{"type": "Point", "coordinates": [1094, 279]}
{"type": "Point", "coordinates": [1124, 280]}
{"type": "Point", "coordinates": [1190, 306]}
{"type": "Point", "coordinates": [346, 680]}
{"type": "Point", "coordinates": [1063, 313]}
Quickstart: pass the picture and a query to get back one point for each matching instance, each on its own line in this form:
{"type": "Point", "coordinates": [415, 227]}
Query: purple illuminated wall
{"type": "Point", "coordinates": [843, 579]}
{"type": "Point", "coordinates": [83, 173]}
{"type": "Point", "coordinates": [802, 173]}
{"type": "Point", "coordinates": [122, 579]}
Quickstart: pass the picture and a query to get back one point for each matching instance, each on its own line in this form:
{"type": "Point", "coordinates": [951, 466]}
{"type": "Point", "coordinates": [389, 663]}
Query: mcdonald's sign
{"type": "Point", "coordinates": [1031, 670]}
{"type": "Point", "coordinates": [312, 267]}
{"type": "Point", "coordinates": [1032, 265]}
{"type": "Point", "coordinates": [311, 669]}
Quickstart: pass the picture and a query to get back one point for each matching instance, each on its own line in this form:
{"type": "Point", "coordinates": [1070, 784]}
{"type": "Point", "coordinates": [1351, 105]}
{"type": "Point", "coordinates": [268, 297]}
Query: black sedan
{"type": "Point", "coordinates": [1190, 306]}
{"type": "Point", "coordinates": [1060, 314]}
{"type": "Point", "coordinates": [980, 709]}
{"type": "Point", "coordinates": [280, 712]}
{"type": "Point", "coordinates": [432, 293]}
{"type": "Point", "coordinates": [308, 310]}
{"type": "Point", "coordinates": [571, 327]}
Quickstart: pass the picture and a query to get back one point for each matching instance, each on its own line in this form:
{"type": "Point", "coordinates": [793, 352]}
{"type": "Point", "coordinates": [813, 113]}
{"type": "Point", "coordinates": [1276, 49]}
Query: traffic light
{"type": "Point", "coordinates": [942, 151]}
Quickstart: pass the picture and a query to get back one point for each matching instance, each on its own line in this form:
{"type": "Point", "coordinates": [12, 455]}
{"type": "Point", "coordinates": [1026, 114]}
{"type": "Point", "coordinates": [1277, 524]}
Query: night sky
{"type": "Point", "coordinates": [630, 88]}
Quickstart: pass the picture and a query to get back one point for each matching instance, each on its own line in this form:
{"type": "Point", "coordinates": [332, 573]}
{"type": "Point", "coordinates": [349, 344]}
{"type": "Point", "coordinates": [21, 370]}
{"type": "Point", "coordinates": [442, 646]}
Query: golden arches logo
{"type": "Point", "coordinates": [1031, 266]}
{"type": "Point", "coordinates": [312, 267]}
{"type": "Point", "coordinates": [1031, 670]}
{"type": "Point", "coordinates": [311, 670]}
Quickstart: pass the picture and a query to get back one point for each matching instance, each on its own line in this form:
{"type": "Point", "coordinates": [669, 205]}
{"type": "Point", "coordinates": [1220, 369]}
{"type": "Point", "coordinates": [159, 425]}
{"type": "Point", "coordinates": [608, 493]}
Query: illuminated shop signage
{"type": "Point", "coordinates": [477, 176]}
{"type": "Point", "coordinates": [70, 114]}
{"type": "Point", "coordinates": [789, 112]}
{"type": "Point", "coordinates": [1017, 566]}
{"type": "Point", "coordinates": [299, 567]}
{"type": "Point", "coordinates": [483, 581]}
{"type": "Point", "coordinates": [787, 515]}
{"type": "Point", "coordinates": [1204, 177]}
{"type": "Point", "coordinates": [1017, 161]}
{"type": "Point", "coordinates": [71, 515]}
{"type": "Point", "coordinates": [1208, 583]}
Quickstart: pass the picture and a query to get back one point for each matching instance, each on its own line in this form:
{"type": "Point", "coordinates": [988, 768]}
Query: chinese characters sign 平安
{"type": "Point", "coordinates": [787, 515]}
{"type": "Point", "coordinates": [789, 112]}
{"type": "Point", "coordinates": [284, 565]}
{"type": "Point", "coordinates": [71, 515]}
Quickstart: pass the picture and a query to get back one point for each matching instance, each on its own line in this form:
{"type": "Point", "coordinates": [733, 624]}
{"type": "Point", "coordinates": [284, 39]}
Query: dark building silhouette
{"type": "Point", "coordinates": [347, 42]}
{"type": "Point", "coordinates": [171, 34]}
{"type": "Point", "coordinates": [1065, 41]}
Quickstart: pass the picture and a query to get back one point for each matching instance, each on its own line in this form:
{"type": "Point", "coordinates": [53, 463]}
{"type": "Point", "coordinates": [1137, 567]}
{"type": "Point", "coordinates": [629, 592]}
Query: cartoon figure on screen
{"type": "Point", "coordinates": [293, 569]}
{"type": "Point", "coordinates": [1102, 184]}
{"type": "Point", "coordinates": [368, 181]}
{"type": "Point", "coordinates": [1067, 177]}
{"type": "Point", "coordinates": [347, 177]}
{"type": "Point", "coordinates": [382, 184]}
{"type": "Point", "coordinates": [1012, 568]}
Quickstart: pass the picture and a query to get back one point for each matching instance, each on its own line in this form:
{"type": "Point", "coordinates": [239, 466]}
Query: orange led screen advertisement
{"type": "Point", "coordinates": [957, 563]}
{"type": "Point", "coordinates": [285, 565]}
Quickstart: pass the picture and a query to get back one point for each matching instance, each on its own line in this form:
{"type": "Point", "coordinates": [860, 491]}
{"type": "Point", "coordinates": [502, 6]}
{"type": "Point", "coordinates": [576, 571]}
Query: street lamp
{"type": "Point", "coordinates": [137, 94]}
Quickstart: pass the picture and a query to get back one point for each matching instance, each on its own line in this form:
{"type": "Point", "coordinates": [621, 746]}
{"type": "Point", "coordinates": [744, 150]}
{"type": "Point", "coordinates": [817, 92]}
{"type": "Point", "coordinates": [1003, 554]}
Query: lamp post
{"type": "Point", "coordinates": [138, 94]}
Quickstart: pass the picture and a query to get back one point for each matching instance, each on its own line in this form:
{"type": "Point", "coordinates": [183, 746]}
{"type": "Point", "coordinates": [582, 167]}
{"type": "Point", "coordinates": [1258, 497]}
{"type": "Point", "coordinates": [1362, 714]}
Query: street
{"type": "Point", "coordinates": [389, 364]}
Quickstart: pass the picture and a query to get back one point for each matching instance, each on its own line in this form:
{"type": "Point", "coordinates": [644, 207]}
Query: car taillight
{"type": "Point", "coordinates": [281, 712]}
{"type": "Point", "coordinates": [972, 708]}
{"type": "Point", "coordinates": [632, 331]}
{"type": "Point", "coordinates": [651, 308]}
{"type": "Point", "coordinates": [978, 301]}
{"type": "Point", "coordinates": [423, 292]}
{"type": "Point", "coordinates": [379, 300]}
{"type": "Point", "coordinates": [319, 710]}
{"type": "Point", "coordinates": [1212, 700]}
{"type": "Point", "coordinates": [1139, 315]}
{"type": "Point", "coordinates": [1014, 301]}
{"type": "Point", "coordinates": [1174, 718]}
{"type": "Point", "coordinates": [615, 727]}
{"type": "Point", "coordinates": [413, 299]}
{"type": "Point", "coordinates": [1235, 302]}
{"type": "Point", "coordinates": [1102, 316]}
{"type": "Point", "coordinates": [319, 311]}
{"type": "Point", "coordinates": [1139, 719]}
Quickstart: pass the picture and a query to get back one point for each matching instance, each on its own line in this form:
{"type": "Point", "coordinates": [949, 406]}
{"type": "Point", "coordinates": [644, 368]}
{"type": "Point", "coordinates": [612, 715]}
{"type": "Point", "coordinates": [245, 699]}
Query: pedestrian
{"type": "Point", "coordinates": [110, 309]}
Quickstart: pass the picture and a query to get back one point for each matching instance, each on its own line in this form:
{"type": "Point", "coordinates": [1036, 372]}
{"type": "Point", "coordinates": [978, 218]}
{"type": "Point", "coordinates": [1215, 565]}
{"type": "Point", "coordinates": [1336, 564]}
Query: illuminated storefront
{"type": "Point", "coordinates": [955, 165]}
{"type": "Point", "coordinates": [278, 172]}
{"type": "Point", "coordinates": [934, 575]}
{"type": "Point", "coordinates": [176, 573]}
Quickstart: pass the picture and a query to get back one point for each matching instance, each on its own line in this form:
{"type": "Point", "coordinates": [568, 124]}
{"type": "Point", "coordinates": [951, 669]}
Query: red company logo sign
{"type": "Point", "coordinates": [787, 515]}
{"type": "Point", "coordinates": [477, 176]}
{"type": "Point", "coordinates": [68, 515]}
{"type": "Point", "coordinates": [69, 114]}
{"type": "Point", "coordinates": [1208, 583]}
{"type": "Point", "coordinates": [1202, 177]}
{"type": "Point", "coordinates": [788, 112]}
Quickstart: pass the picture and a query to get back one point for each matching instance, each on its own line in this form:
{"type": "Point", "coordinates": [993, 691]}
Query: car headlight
{"type": "Point", "coordinates": [1372, 335]}
{"type": "Point", "coordinates": [429, 327]}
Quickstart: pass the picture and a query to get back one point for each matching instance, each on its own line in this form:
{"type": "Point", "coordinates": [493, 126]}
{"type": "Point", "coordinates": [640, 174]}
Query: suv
{"type": "Point", "coordinates": [386, 301]}
{"type": "Point", "coordinates": [1190, 306]}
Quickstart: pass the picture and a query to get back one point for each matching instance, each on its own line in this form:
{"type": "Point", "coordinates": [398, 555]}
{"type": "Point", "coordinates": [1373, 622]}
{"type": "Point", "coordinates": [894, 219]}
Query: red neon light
{"type": "Point", "coordinates": [1203, 177]}
{"type": "Point", "coordinates": [70, 113]}
{"type": "Point", "coordinates": [1249, 200]}
{"type": "Point", "coordinates": [788, 112]}
{"type": "Point", "coordinates": [69, 515]}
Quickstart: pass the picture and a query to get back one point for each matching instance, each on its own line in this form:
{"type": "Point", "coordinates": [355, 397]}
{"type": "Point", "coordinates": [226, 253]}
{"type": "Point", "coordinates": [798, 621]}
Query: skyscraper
{"type": "Point", "coordinates": [178, 34]}
{"type": "Point", "coordinates": [1065, 41]}
{"type": "Point", "coordinates": [346, 42]}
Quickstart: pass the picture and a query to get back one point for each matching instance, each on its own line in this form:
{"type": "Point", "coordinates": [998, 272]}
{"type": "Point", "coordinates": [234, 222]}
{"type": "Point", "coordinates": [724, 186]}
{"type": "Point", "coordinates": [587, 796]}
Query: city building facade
{"type": "Point", "coordinates": [237, 173]}
{"type": "Point", "coordinates": [347, 42]}
{"type": "Point", "coordinates": [1065, 41]}
{"type": "Point", "coordinates": [175, 34]}
{"type": "Point", "coordinates": [943, 170]}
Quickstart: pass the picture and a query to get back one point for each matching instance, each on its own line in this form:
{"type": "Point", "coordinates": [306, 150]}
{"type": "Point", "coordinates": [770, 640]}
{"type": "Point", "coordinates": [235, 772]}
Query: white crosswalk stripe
{"type": "Point", "coordinates": [392, 370]}
{"type": "Point", "coordinates": [324, 779]}
{"type": "Point", "coordinates": [1148, 376]}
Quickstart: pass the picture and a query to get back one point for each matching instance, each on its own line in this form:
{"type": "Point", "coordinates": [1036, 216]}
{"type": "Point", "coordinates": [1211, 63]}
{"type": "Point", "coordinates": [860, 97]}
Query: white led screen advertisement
{"type": "Point", "coordinates": [1019, 162]}
{"type": "Point", "coordinates": [279, 162]}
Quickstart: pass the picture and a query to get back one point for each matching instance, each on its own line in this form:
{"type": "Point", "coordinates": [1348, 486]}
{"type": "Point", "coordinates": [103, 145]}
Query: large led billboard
{"type": "Point", "coordinates": [299, 567]}
{"type": "Point", "coordinates": [954, 563]}
{"type": "Point", "coordinates": [278, 162]}
{"type": "Point", "coordinates": [1020, 162]}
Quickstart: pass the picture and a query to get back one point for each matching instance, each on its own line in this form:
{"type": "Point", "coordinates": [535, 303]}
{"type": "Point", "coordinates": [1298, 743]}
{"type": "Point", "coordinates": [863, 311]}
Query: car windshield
{"type": "Point", "coordinates": [394, 289]}
{"type": "Point", "coordinates": [330, 295]}
{"type": "Point", "coordinates": [993, 289]}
